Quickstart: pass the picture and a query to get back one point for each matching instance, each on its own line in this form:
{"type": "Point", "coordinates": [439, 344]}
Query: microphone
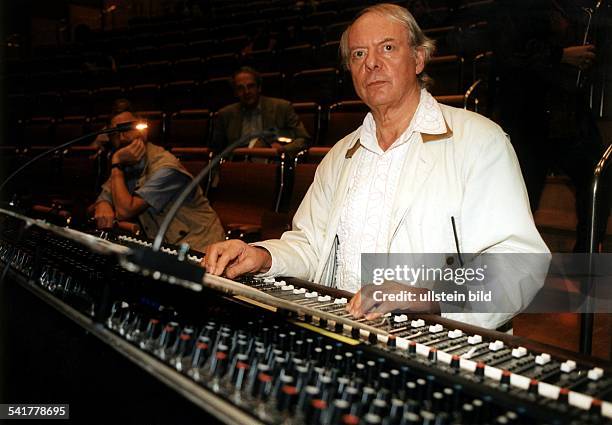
{"type": "Point", "coordinates": [126, 126]}
{"type": "Point", "coordinates": [163, 228]}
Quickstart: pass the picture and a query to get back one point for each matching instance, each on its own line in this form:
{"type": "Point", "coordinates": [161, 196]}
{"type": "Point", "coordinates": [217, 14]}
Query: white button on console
{"type": "Point", "coordinates": [568, 366]}
{"type": "Point", "coordinates": [436, 328]}
{"type": "Point", "coordinates": [519, 352]}
{"type": "Point", "coordinates": [417, 323]}
{"type": "Point", "coordinates": [595, 373]}
{"type": "Point", "coordinates": [542, 359]}
{"type": "Point", "coordinates": [496, 346]}
{"type": "Point", "coordinates": [474, 339]}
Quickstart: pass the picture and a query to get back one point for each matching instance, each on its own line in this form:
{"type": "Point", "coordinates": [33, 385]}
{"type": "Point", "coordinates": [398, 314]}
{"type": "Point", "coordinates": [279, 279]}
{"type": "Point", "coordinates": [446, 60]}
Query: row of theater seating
{"type": "Point", "coordinates": [321, 85]}
{"type": "Point", "coordinates": [246, 193]}
{"type": "Point", "coordinates": [194, 127]}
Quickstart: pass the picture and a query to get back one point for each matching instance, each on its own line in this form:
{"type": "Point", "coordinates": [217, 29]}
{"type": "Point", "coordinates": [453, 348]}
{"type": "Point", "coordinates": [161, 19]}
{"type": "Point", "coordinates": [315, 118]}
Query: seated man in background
{"type": "Point", "coordinates": [145, 179]}
{"type": "Point", "coordinates": [255, 113]}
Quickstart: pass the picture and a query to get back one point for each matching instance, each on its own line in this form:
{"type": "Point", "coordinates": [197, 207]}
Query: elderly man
{"type": "Point", "coordinates": [255, 113]}
{"type": "Point", "coordinates": [397, 183]}
{"type": "Point", "coordinates": [144, 181]}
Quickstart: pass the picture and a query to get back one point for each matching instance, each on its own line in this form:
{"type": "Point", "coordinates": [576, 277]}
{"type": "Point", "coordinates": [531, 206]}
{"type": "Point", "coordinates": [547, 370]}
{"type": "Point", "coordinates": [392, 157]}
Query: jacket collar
{"type": "Point", "coordinates": [428, 121]}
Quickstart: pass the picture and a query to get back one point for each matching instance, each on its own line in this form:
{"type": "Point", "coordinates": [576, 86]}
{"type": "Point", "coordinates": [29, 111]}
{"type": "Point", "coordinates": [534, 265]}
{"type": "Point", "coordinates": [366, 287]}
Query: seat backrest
{"type": "Point", "coordinates": [189, 127]}
{"type": "Point", "coordinates": [315, 85]}
{"type": "Point", "coordinates": [157, 127]}
{"type": "Point", "coordinates": [310, 115]}
{"type": "Point", "coordinates": [447, 73]}
{"type": "Point", "coordinates": [194, 159]}
{"type": "Point", "coordinates": [247, 189]}
{"type": "Point", "coordinates": [343, 118]}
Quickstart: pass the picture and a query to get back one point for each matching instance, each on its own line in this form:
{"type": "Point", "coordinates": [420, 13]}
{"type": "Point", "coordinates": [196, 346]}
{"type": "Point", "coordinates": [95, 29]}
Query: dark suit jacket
{"type": "Point", "coordinates": [276, 113]}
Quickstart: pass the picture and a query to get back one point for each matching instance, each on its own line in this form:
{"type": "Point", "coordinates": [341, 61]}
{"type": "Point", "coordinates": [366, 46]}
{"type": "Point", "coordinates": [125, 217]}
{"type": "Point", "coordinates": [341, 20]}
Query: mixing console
{"type": "Point", "coordinates": [305, 360]}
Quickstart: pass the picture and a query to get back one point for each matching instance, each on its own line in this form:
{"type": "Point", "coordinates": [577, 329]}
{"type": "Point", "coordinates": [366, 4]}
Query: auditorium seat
{"type": "Point", "coordinates": [310, 115]}
{"type": "Point", "coordinates": [145, 97]}
{"type": "Point", "coordinates": [172, 51]}
{"type": "Point", "coordinates": [194, 159]}
{"type": "Point", "coordinates": [188, 69]}
{"type": "Point", "coordinates": [178, 95]}
{"type": "Point", "coordinates": [221, 65]}
{"type": "Point", "coordinates": [447, 73]}
{"type": "Point", "coordinates": [233, 44]}
{"type": "Point", "coordinates": [142, 54]}
{"type": "Point", "coordinates": [216, 93]}
{"type": "Point", "coordinates": [80, 175]}
{"type": "Point", "coordinates": [46, 104]}
{"type": "Point", "coordinates": [102, 99]}
{"type": "Point", "coordinates": [328, 55]}
{"type": "Point", "coordinates": [261, 60]}
{"type": "Point", "coordinates": [446, 38]}
{"type": "Point", "coordinates": [154, 73]}
{"type": "Point", "coordinates": [129, 75]}
{"type": "Point", "coordinates": [189, 128]}
{"type": "Point", "coordinates": [274, 223]}
{"type": "Point", "coordinates": [38, 131]}
{"type": "Point", "coordinates": [334, 31]}
{"type": "Point", "coordinates": [76, 102]}
{"type": "Point", "coordinates": [294, 58]}
{"type": "Point", "coordinates": [156, 122]}
{"type": "Point", "coordinates": [246, 190]}
{"type": "Point", "coordinates": [201, 48]}
{"type": "Point", "coordinates": [273, 84]}
{"type": "Point", "coordinates": [315, 85]}
{"type": "Point", "coordinates": [70, 127]}
{"type": "Point", "coordinates": [343, 118]}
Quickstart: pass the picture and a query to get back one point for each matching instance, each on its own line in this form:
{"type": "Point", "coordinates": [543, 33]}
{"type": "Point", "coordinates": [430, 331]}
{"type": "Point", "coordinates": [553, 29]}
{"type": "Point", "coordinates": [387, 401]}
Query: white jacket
{"type": "Point", "coordinates": [470, 173]}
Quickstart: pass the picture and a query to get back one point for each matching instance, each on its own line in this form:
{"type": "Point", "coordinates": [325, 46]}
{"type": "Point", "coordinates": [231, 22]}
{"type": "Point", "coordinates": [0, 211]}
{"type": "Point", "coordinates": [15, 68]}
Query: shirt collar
{"type": "Point", "coordinates": [255, 110]}
{"type": "Point", "coordinates": [428, 120]}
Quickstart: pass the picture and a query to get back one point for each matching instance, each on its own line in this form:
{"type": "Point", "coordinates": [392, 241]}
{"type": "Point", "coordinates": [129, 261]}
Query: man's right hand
{"type": "Point", "coordinates": [236, 258]}
{"type": "Point", "coordinates": [130, 154]}
{"type": "Point", "coordinates": [104, 215]}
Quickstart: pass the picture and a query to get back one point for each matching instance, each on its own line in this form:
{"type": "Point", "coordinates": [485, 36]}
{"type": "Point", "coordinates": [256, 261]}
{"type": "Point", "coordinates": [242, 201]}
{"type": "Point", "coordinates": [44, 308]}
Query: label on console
{"type": "Point", "coordinates": [582, 401]}
{"type": "Point", "coordinates": [423, 350]}
{"type": "Point", "coordinates": [493, 373]}
{"type": "Point", "coordinates": [401, 343]}
{"type": "Point", "coordinates": [519, 381]}
{"type": "Point", "coordinates": [548, 390]}
{"type": "Point", "coordinates": [606, 409]}
{"type": "Point", "coordinates": [468, 365]}
{"type": "Point", "coordinates": [444, 357]}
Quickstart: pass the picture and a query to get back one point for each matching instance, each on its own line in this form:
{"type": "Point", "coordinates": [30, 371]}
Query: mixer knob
{"type": "Point", "coordinates": [287, 398]}
{"type": "Point", "coordinates": [455, 334]}
{"type": "Point", "coordinates": [411, 418]}
{"type": "Point", "coordinates": [434, 329]}
{"type": "Point", "coordinates": [496, 346]}
{"type": "Point", "coordinates": [568, 366]}
{"type": "Point", "coordinates": [151, 333]}
{"type": "Point", "coordinates": [339, 408]}
{"type": "Point", "coordinates": [595, 374]}
{"type": "Point", "coordinates": [306, 397]}
{"type": "Point", "coordinates": [542, 359]}
{"type": "Point", "coordinates": [219, 363]}
{"type": "Point", "coordinates": [418, 323]}
{"type": "Point", "coordinates": [201, 352]}
{"type": "Point", "coordinates": [474, 339]}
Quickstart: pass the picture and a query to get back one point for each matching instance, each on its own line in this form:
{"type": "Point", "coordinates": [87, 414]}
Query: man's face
{"type": "Point", "coordinates": [124, 138]}
{"type": "Point", "coordinates": [383, 64]}
{"type": "Point", "coordinates": [247, 89]}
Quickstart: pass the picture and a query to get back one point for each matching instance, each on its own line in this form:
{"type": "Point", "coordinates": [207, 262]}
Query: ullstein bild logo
{"type": "Point", "coordinates": [412, 275]}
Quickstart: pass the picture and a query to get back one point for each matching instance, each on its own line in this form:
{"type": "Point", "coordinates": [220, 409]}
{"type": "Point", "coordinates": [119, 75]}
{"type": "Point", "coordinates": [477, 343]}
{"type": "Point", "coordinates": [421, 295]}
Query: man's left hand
{"type": "Point", "coordinates": [364, 303]}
